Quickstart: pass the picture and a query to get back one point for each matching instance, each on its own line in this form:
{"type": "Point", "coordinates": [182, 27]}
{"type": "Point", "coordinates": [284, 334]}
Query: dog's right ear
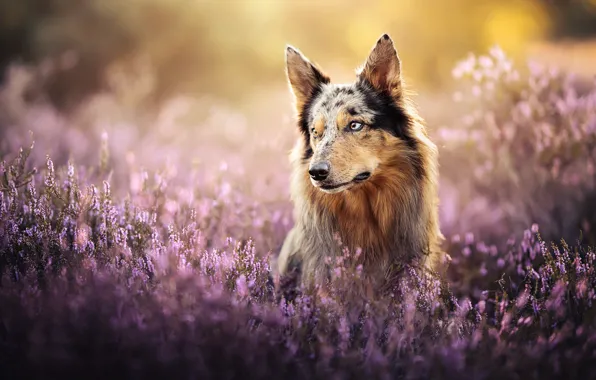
{"type": "Point", "coordinates": [304, 77]}
{"type": "Point", "coordinates": [382, 69]}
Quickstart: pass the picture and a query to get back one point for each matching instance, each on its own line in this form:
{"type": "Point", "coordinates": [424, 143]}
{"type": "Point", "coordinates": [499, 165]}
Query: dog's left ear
{"type": "Point", "coordinates": [382, 68]}
{"type": "Point", "coordinates": [304, 76]}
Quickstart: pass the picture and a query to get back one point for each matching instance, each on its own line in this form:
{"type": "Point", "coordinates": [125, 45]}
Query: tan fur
{"type": "Point", "coordinates": [392, 217]}
{"type": "Point", "coordinates": [304, 76]}
{"type": "Point", "coordinates": [383, 68]}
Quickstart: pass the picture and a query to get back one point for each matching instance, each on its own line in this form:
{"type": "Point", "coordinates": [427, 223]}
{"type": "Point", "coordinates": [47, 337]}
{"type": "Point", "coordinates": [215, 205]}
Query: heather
{"type": "Point", "coordinates": [135, 246]}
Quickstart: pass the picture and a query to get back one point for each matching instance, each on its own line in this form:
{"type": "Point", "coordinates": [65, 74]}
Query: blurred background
{"type": "Point", "coordinates": [197, 90]}
{"type": "Point", "coordinates": [230, 48]}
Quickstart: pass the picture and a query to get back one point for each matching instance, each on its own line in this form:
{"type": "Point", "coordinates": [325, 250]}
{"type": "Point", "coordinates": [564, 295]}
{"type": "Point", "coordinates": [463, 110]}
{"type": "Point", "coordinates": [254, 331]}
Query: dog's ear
{"type": "Point", "coordinates": [304, 76]}
{"type": "Point", "coordinates": [382, 68]}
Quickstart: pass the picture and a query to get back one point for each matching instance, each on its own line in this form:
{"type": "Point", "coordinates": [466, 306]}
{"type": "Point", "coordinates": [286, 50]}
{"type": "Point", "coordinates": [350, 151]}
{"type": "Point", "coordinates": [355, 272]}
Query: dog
{"type": "Point", "coordinates": [363, 169]}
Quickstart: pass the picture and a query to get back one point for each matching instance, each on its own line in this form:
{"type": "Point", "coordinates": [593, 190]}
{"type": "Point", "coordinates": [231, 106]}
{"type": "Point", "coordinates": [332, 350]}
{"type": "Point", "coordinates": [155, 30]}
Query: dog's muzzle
{"type": "Point", "coordinates": [319, 171]}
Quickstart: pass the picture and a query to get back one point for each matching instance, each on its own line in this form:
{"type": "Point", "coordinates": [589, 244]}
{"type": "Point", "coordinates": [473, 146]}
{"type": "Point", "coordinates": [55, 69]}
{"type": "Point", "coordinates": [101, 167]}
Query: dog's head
{"type": "Point", "coordinates": [351, 131]}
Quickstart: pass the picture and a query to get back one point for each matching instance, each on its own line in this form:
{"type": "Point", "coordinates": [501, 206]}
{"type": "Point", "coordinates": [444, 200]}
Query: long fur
{"type": "Point", "coordinates": [393, 216]}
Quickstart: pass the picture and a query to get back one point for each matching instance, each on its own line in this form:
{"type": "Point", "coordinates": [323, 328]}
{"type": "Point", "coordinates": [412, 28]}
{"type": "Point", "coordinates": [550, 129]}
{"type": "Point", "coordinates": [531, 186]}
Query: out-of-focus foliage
{"type": "Point", "coordinates": [229, 48]}
{"type": "Point", "coordinates": [573, 18]}
{"type": "Point", "coordinates": [143, 286]}
{"type": "Point", "coordinates": [528, 147]}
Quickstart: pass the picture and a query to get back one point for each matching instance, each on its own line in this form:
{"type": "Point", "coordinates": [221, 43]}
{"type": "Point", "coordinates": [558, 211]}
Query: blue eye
{"type": "Point", "coordinates": [355, 126]}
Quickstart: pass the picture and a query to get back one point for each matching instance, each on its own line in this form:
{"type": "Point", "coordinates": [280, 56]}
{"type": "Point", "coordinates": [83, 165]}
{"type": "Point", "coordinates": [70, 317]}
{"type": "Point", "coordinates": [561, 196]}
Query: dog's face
{"type": "Point", "coordinates": [351, 130]}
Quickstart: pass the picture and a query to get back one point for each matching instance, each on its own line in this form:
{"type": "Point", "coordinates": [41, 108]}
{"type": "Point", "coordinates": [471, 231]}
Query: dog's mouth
{"type": "Point", "coordinates": [338, 187]}
{"type": "Point", "coordinates": [362, 177]}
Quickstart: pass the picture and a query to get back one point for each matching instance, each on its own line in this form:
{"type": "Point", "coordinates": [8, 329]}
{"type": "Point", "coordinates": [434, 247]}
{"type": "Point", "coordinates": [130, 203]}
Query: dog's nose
{"type": "Point", "coordinates": [319, 171]}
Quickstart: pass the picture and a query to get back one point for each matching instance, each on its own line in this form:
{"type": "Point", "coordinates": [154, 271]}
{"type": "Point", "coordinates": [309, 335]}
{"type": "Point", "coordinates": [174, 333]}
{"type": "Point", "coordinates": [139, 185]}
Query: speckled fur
{"type": "Point", "coordinates": [392, 216]}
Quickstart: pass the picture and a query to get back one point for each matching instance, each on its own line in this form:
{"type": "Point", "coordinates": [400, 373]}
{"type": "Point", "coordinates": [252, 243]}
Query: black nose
{"type": "Point", "coordinates": [319, 171]}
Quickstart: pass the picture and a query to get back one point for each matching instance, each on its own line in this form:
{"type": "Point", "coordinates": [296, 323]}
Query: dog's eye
{"type": "Point", "coordinates": [355, 126]}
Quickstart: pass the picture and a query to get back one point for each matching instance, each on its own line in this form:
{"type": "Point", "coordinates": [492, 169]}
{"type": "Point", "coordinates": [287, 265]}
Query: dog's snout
{"type": "Point", "coordinates": [319, 171]}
